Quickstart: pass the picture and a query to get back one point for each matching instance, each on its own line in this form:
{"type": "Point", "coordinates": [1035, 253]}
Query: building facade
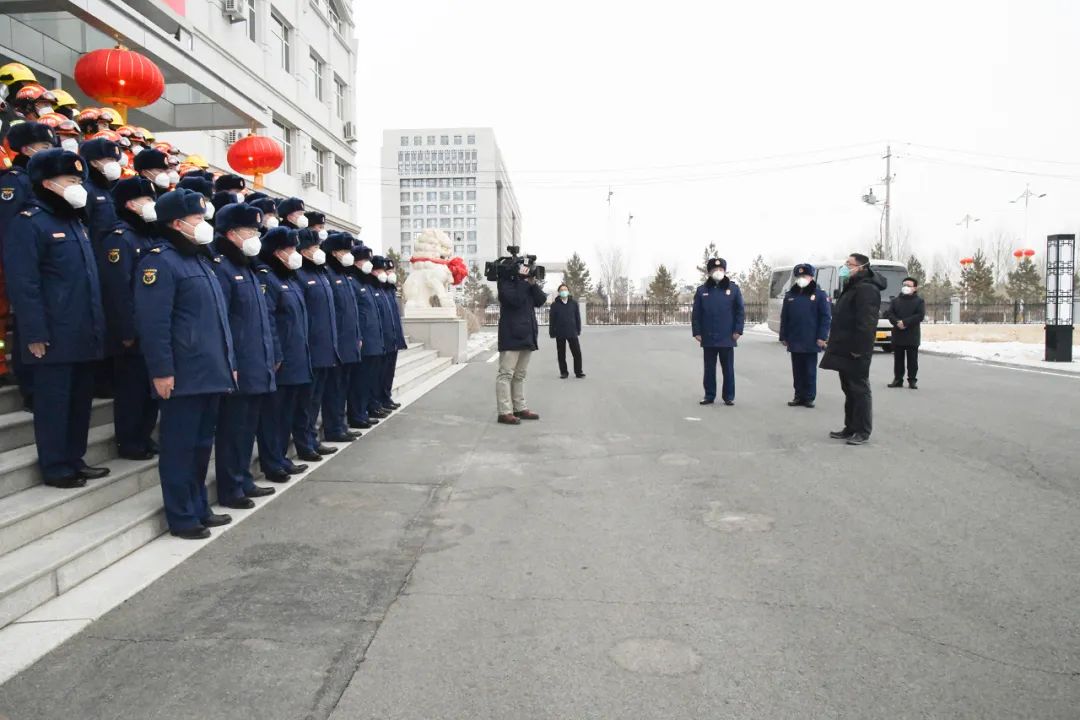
{"type": "Point", "coordinates": [451, 179]}
{"type": "Point", "coordinates": [284, 67]}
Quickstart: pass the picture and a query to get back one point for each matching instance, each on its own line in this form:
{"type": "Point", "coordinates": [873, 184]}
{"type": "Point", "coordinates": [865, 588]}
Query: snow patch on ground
{"type": "Point", "coordinates": [480, 342]}
{"type": "Point", "coordinates": [762, 329]}
{"type": "Point", "coordinates": [1013, 353]}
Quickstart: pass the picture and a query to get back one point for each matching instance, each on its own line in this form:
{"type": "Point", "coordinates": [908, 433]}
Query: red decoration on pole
{"type": "Point", "coordinates": [255, 155]}
{"type": "Point", "coordinates": [967, 261]}
{"type": "Point", "coordinates": [1029, 253]}
{"type": "Point", "coordinates": [1018, 254]}
{"type": "Point", "coordinates": [119, 78]}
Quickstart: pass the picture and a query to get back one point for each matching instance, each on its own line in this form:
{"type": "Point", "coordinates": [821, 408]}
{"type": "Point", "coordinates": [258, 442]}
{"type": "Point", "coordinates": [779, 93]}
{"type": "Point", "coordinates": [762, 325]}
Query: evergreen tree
{"type": "Point", "coordinates": [709, 253]}
{"type": "Point", "coordinates": [915, 269]}
{"type": "Point", "coordinates": [577, 277]}
{"type": "Point", "coordinates": [880, 251]}
{"type": "Point", "coordinates": [478, 292]}
{"type": "Point", "coordinates": [938, 290]}
{"type": "Point", "coordinates": [662, 289]}
{"type": "Point", "coordinates": [1025, 283]}
{"type": "Point", "coordinates": [601, 294]}
{"type": "Point", "coordinates": [977, 280]}
{"type": "Point", "coordinates": [755, 284]}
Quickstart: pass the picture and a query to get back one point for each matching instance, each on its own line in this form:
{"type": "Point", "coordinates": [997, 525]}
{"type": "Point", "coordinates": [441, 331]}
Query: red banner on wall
{"type": "Point", "coordinates": [177, 6]}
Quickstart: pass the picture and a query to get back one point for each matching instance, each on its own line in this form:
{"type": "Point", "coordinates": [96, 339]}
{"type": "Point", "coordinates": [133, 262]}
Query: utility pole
{"type": "Point", "coordinates": [1026, 197]}
{"type": "Point", "coordinates": [888, 195]}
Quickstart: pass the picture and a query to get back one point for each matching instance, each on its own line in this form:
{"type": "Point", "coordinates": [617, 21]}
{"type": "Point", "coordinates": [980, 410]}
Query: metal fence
{"type": "Point", "coordinates": [1007, 313]}
{"type": "Point", "coordinates": [641, 313]}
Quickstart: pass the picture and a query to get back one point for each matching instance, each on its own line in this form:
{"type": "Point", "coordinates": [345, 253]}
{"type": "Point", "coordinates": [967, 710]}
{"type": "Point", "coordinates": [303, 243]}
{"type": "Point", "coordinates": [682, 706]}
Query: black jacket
{"type": "Point", "coordinates": [855, 316]}
{"type": "Point", "coordinates": [911, 309]}
{"type": "Point", "coordinates": [565, 319]}
{"type": "Point", "coordinates": [518, 329]}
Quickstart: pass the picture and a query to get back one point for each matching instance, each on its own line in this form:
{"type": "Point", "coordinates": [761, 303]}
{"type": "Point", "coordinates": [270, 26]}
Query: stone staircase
{"type": "Point", "coordinates": [51, 539]}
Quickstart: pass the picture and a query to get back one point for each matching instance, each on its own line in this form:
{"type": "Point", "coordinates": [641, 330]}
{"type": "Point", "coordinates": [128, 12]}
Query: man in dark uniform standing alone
{"type": "Point", "coordinates": [805, 319]}
{"type": "Point", "coordinates": [906, 313]}
{"type": "Point", "coordinates": [717, 324]}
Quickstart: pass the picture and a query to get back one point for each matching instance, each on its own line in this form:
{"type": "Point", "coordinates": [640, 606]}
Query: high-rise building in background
{"type": "Point", "coordinates": [286, 67]}
{"type": "Point", "coordinates": [451, 179]}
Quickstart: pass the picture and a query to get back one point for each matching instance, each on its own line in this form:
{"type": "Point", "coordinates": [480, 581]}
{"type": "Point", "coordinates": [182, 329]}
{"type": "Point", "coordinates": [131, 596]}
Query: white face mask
{"type": "Point", "coordinates": [69, 144]}
{"type": "Point", "coordinates": [149, 212]}
{"type": "Point", "coordinates": [381, 277]}
{"type": "Point", "coordinates": [323, 234]}
{"type": "Point", "coordinates": [209, 212]}
{"type": "Point", "coordinates": [123, 160]}
{"type": "Point", "coordinates": [239, 197]}
{"type": "Point", "coordinates": [300, 221]}
{"type": "Point", "coordinates": [718, 275]}
{"type": "Point", "coordinates": [75, 195]}
{"type": "Point", "coordinates": [251, 246]}
{"type": "Point", "coordinates": [162, 180]}
{"type": "Point", "coordinates": [111, 170]}
{"type": "Point", "coordinates": [347, 259]}
{"type": "Point", "coordinates": [907, 290]}
{"type": "Point", "coordinates": [174, 177]}
{"type": "Point", "coordinates": [802, 281]}
{"type": "Point", "coordinates": [295, 261]}
{"type": "Point", "coordinates": [365, 267]}
{"type": "Point", "coordinates": [391, 278]}
{"type": "Point", "coordinates": [203, 234]}
{"type": "Point", "coordinates": [271, 222]}
{"type": "Point", "coordinates": [318, 257]}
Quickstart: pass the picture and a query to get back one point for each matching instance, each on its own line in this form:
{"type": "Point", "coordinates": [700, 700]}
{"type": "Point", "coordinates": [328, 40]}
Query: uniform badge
{"type": "Point", "coordinates": [114, 255]}
{"type": "Point", "coordinates": [7, 194]}
{"type": "Point", "coordinates": [284, 287]}
{"type": "Point", "coordinates": [59, 235]}
{"type": "Point", "coordinates": [310, 282]}
{"type": "Point", "coordinates": [337, 282]}
{"type": "Point", "coordinates": [727, 292]}
{"type": "Point", "coordinates": [149, 276]}
{"type": "Point", "coordinates": [263, 286]}
{"type": "Point", "coordinates": [78, 166]}
{"type": "Point", "coordinates": [238, 277]}
{"type": "Point", "coordinates": [813, 298]}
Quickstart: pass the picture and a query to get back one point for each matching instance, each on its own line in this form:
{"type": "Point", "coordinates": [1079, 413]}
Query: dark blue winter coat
{"type": "Point", "coordinates": [348, 317]}
{"type": "Point", "coordinates": [368, 299]}
{"type": "Point", "coordinates": [386, 317]}
{"type": "Point", "coordinates": [100, 210]}
{"type": "Point", "coordinates": [322, 318]}
{"type": "Point", "coordinates": [390, 291]}
{"type": "Point", "coordinates": [52, 283]}
{"type": "Point", "coordinates": [15, 190]}
{"type": "Point", "coordinates": [182, 320]}
{"type": "Point", "coordinates": [518, 300]}
{"type": "Point", "coordinates": [564, 319]}
{"type": "Point", "coordinates": [119, 255]}
{"type": "Point", "coordinates": [718, 313]}
{"type": "Point", "coordinates": [805, 318]}
{"type": "Point", "coordinates": [285, 299]}
{"type": "Point", "coordinates": [249, 319]}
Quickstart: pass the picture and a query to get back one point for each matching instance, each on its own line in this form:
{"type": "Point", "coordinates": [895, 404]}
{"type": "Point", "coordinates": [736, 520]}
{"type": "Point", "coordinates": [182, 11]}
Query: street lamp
{"type": "Point", "coordinates": [1060, 266]}
{"type": "Point", "coordinates": [1026, 196]}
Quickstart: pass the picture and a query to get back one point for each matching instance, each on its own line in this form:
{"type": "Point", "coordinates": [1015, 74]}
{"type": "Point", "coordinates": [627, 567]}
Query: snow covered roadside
{"type": "Point", "coordinates": [1009, 353]}
{"type": "Point", "coordinates": [480, 342]}
{"type": "Point", "coordinates": [762, 329]}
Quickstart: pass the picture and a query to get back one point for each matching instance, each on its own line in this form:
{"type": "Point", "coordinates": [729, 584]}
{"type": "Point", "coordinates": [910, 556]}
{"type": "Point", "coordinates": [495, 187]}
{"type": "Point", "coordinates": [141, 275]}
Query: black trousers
{"type": "Point", "coordinates": [858, 402]}
{"type": "Point", "coordinates": [912, 355]}
{"type": "Point", "coordinates": [575, 350]}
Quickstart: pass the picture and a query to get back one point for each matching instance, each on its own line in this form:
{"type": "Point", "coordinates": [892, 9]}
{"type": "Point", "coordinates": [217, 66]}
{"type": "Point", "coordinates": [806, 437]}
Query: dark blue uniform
{"type": "Point", "coordinates": [380, 397]}
{"type": "Point", "coordinates": [183, 326]}
{"type": "Point", "coordinates": [134, 410]}
{"type": "Point", "coordinates": [53, 286]}
{"type": "Point", "coordinates": [718, 315]}
{"type": "Point", "coordinates": [364, 381]}
{"type": "Point", "coordinates": [349, 340]}
{"type": "Point", "coordinates": [15, 190]}
{"type": "Point", "coordinates": [323, 340]}
{"type": "Point", "coordinates": [285, 300]}
{"type": "Point", "coordinates": [100, 211]}
{"type": "Point", "coordinates": [386, 397]}
{"type": "Point", "coordinates": [253, 337]}
{"type": "Point", "coordinates": [805, 318]}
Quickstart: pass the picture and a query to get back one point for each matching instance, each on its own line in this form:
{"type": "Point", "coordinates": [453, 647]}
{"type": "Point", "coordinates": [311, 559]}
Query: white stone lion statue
{"type": "Point", "coordinates": [430, 277]}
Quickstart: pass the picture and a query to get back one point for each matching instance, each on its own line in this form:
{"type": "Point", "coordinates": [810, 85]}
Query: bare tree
{"type": "Point", "coordinates": [612, 267]}
{"type": "Point", "coordinates": [998, 248]}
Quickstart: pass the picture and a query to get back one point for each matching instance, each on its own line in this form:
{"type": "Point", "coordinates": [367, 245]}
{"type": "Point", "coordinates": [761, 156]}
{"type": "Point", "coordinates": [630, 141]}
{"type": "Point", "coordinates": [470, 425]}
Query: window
{"type": "Point", "coordinates": [458, 182]}
{"type": "Point", "coordinates": [341, 94]}
{"type": "Point", "coordinates": [471, 235]}
{"type": "Point", "coordinates": [417, 196]}
{"type": "Point", "coordinates": [418, 223]}
{"type": "Point", "coordinates": [251, 20]}
{"type": "Point", "coordinates": [432, 222]}
{"type": "Point", "coordinates": [417, 140]}
{"type": "Point", "coordinates": [335, 17]}
{"type": "Point", "coordinates": [404, 140]}
{"type": "Point", "coordinates": [430, 139]}
{"type": "Point", "coordinates": [319, 156]}
{"type": "Point", "coordinates": [432, 196]}
{"type": "Point", "coordinates": [404, 197]}
{"type": "Point", "coordinates": [405, 222]}
{"type": "Point", "coordinates": [342, 180]}
{"type": "Point", "coordinates": [470, 209]}
{"type": "Point", "coordinates": [281, 31]}
{"type": "Point", "coordinates": [470, 194]}
{"type": "Point", "coordinates": [471, 222]}
{"type": "Point", "coordinates": [459, 209]}
{"type": "Point", "coordinates": [284, 134]}
{"type": "Point", "coordinates": [444, 223]}
{"type": "Point", "coordinates": [444, 140]}
{"type": "Point", "coordinates": [444, 209]}
{"type": "Point", "coordinates": [459, 223]}
{"type": "Point", "coordinates": [406, 249]}
{"type": "Point", "coordinates": [472, 249]}
{"type": "Point", "coordinates": [470, 182]}
{"type": "Point", "coordinates": [317, 75]}
{"type": "Point", "coordinates": [432, 210]}
{"type": "Point", "coordinates": [444, 195]}
{"type": "Point", "coordinates": [472, 140]}
{"type": "Point", "coordinates": [459, 195]}
{"type": "Point", "coordinates": [429, 182]}
{"type": "Point", "coordinates": [417, 209]}
{"type": "Point", "coordinates": [406, 210]}
{"type": "Point", "coordinates": [403, 183]}
{"type": "Point", "coordinates": [457, 139]}
{"type": "Point", "coordinates": [406, 237]}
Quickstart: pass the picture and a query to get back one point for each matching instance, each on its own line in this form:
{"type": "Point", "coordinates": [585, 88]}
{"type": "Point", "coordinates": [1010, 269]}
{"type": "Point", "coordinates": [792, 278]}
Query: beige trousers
{"type": "Point", "coordinates": [510, 382]}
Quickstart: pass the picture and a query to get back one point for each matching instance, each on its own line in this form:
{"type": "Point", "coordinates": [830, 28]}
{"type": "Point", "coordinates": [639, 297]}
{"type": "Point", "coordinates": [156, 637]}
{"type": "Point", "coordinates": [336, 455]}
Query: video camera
{"type": "Point", "coordinates": [507, 268]}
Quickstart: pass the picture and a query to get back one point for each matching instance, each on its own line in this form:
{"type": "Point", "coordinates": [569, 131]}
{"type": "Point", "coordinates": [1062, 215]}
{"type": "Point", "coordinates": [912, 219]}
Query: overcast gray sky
{"type": "Point", "coordinates": [675, 104]}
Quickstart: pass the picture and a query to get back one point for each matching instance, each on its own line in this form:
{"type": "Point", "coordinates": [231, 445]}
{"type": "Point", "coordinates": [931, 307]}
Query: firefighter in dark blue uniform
{"type": "Point", "coordinates": [377, 407]}
{"type": "Point", "coordinates": [233, 185]}
{"type": "Point", "coordinates": [183, 327]}
{"type": "Point", "coordinates": [285, 299]}
{"type": "Point", "coordinates": [134, 410]}
{"type": "Point", "coordinates": [52, 281]}
{"type": "Point", "coordinates": [291, 213]}
{"type": "Point", "coordinates": [323, 339]}
{"type": "Point", "coordinates": [717, 324]}
{"type": "Point", "coordinates": [390, 368]}
{"type": "Point", "coordinates": [103, 162]}
{"type": "Point", "coordinates": [367, 373]}
{"type": "Point", "coordinates": [199, 184]}
{"type": "Point", "coordinates": [268, 207]}
{"type": "Point", "coordinates": [154, 166]}
{"type": "Point", "coordinates": [339, 265]}
{"type": "Point", "coordinates": [805, 319]}
{"type": "Point", "coordinates": [237, 240]}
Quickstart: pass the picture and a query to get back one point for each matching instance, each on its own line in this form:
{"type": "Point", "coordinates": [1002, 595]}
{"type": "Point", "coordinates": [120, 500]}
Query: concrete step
{"type": "Point", "coordinates": [19, 468]}
{"type": "Point", "coordinates": [412, 358]}
{"type": "Point", "coordinates": [40, 510]}
{"type": "Point", "coordinates": [10, 400]}
{"type": "Point", "coordinates": [418, 373]}
{"type": "Point", "coordinates": [17, 428]}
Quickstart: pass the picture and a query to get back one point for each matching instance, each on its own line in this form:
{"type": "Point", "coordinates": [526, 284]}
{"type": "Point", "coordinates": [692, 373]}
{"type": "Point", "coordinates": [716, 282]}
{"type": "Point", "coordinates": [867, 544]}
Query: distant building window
{"type": "Point", "coordinates": [317, 75]}
{"type": "Point", "coordinates": [341, 94]}
{"type": "Point", "coordinates": [459, 195]}
{"type": "Point", "coordinates": [405, 140]}
{"type": "Point", "coordinates": [251, 20]}
{"type": "Point", "coordinates": [470, 209]}
{"type": "Point", "coordinates": [432, 209]}
{"type": "Point", "coordinates": [432, 196]}
{"type": "Point", "coordinates": [335, 17]}
{"type": "Point", "coordinates": [406, 249]}
{"type": "Point", "coordinates": [472, 249]}
{"type": "Point", "coordinates": [281, 32]}
{"type": "Point", "coordinates": [417, 196]}
{"type": "Point", "coordinates": [459, 209]}
{"type": "Point", "coordinates": [284, 135]}
{"type": "Point", "coordinates": [403, 183]}
{"type": "Point", "coordinates": [404, 197]}
{"type": "Point", "coordinates": [342, 180]}
{"type": "Point", "coordinates": [430, 139]}
{"type": "Point", "coordinates": [417, 209]}
{"type": "Point", "coordinates": [471, 235]}
{"type": "Point", "coordinates": [417, 140]}
{"type": "Point", "coordinates": [444, 140]}
{"type": "Point", "coordinates": [459, 223]}
{"type": "Point", "coordinates": [471, 222]}
{"type": "Point", "coordinates": [406, 237]}
{"type": "Point", "coordinates": [418, 223]}
{"type": "Point", "coordinates": [472, 139]}
{"type": "Point", "coordinates": [470, 194]}
{"type": "Point", "coordinates": [432, 222]}
{"type": "Point", "coordinates": [319, 156]}
{"type": "Point", "coordinates": [406, 210]}
{"type": "Point", "coordinates": [457, 139]}
{"type": "Point", "coordinates": [470, 182]}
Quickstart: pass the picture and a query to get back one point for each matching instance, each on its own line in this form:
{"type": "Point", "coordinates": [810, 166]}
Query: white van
{"type": "Point", "coordinates": [828, 279]}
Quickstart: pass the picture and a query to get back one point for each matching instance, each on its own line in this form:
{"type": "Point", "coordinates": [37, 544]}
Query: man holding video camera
{"type": "Point", "coordinates": [519, 295]}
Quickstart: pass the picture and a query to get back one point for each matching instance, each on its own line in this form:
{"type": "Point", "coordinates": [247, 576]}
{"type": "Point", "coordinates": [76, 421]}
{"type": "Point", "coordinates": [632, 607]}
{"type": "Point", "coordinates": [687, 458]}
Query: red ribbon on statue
{"type": "Point", "coordinates": [458, 270]}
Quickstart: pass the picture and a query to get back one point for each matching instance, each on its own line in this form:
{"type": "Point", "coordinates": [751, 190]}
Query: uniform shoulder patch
{"type": "Point", "coordinates": [118, 231]}
{"type": "Point", "coordinates": [27, 213]}
{"type": "Point", "coordinates": [114, 255]}
{"type": "Point", "coordinates": [7, 194]}
{"type": "Point", "coordinates": [149, 276]}
{"type": "Point", "coordinates": [217, 258]}
{"type": "Point", "coordinates": [264, 269]}
{"type": "Point", "coordinates": [155, 249]}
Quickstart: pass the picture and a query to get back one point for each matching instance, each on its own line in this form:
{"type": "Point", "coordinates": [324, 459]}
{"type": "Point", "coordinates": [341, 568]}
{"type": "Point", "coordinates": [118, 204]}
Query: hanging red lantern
{"type": "Point", "coordinates": [1018, 254]}
{"type": "Point", "coordinates": [967, 261]}
{"type": "Point", "coordinates": [1029, 253]}
{"type": "Point", "coordinates": [255, 155]}
{"type": "Point", "coordinates": [119, 78]}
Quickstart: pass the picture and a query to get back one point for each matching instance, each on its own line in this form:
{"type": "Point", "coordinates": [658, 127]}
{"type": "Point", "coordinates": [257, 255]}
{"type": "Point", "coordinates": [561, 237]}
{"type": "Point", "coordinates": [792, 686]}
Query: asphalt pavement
{"type": "Point", "coordinates": [632, 555]}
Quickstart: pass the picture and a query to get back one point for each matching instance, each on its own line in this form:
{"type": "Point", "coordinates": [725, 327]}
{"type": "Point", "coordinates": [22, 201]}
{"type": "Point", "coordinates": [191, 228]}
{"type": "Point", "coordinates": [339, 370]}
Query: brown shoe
{"type": "Point", "coordinates": [527, 415]}
{"type": "Point", "coordinates": [509, 420]}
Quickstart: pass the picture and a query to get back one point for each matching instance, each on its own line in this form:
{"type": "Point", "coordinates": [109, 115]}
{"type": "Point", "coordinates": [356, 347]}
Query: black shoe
{"type": "Point", "coordinates": [379, 414]}
{"type": "Point", "coordinates": [239, 504]}
{"type": "Point", "coordinates": [795, 403]}
{"type": "Point", "coordinates": [213, 520]}
{"type": "Point", "coordinates": [144, 455]}
{"type": "Point", "coordinates": [67, 483]}
{"type": "Point", "coordinates": [858, 439]}
{"type": "Point", "coordinates": [706, 401]}
{"type": "Point", "coordinates": [808, 403]}
{"type": "Point", "coordinates": [841, 434]}
{"type": "Point", "coordinates": [196, 533]}
{"type": "Point", "coordinates": [278, 476]}
{"type": "Point", "coordinates": [153, 447]}
{"type": "Point", "coordinates": [92, 473]}
{"type": "Point", "coordinates": [260, 491]}
{"type": "Point", "coordinates": [294, 469]}
{"type": "Point", "coordinates": [341, 438]}
{"type": "Point", "coordinates": [913, 384]}
{"type": "Point", "coordinates": [563, 376]}
{"type": "Point", "coordinates": [308, 455]}
{"type": "Point", "coordinates": [365, 425]}
{"type": "Point", "coordinates": [325, 450]}
{"type": "Point", "coordinates": [729, 402]}
{"type": "Point", "coordinates": [580, 375]}
{"type": "Point", "coordinates": [896, 384]}
{"type": "Point", "coordinates": [394, 405]}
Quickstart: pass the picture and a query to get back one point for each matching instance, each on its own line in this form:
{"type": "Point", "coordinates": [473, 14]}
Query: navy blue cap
{"type": "Point", "coordinates": [288, 206]}
{"type": "Point", "coordinates": [378, 262]}
{"type": "Point", "coordinates": [277, 238]}
{"type": "Point", "coordinates": [237, 215]}
{"type": "Point", "coordinates": [361, 251]}
{"type": "Point", "coordinates": [177, 204]}
{"type": "Point", "coordinates": [338, 241]}
{"type": "Point", "coordinates": [253, 196]}
{"type": "Point", "coordinates": [195, 183]}
{"type": "Point", "coordinates": [99, 149]}
{"type": "Point", "coordinates": [804, 269]}
{"type": "Point", "coordinates": [131, 188]}
{"type": "Point", "coordinates": [229, 182]}
{"type": "Point", "coordinates": [266, 204]}
{"type": "Point", "coordinates": [315, 218]}
{"type": "Point", "coordinates": [53, 163]}
{"type": "Point", "coordinates": [28, 133]}
{"type": "Point", "coordinates": [151, 159]}
{"type": "Point", "coordinates": [306, 238]}
{"type": "Point", "coordinates": [222, 198]}
{"type": "Point", "coordinates": [716, 263]}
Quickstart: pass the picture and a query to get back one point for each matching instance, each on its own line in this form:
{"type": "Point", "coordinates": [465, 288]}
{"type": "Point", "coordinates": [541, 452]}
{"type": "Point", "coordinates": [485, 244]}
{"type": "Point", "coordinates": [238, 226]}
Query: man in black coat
{"type": "Point", "coordinates": [906, 313]}
{"type": "Point", "coordinates": [518, 296]}
{"type": "Point", "coordinates": [851, 344]}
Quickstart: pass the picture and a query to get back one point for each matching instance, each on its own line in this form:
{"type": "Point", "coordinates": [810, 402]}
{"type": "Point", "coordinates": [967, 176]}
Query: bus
{"type": "Point", "coordinates": [828, 279]}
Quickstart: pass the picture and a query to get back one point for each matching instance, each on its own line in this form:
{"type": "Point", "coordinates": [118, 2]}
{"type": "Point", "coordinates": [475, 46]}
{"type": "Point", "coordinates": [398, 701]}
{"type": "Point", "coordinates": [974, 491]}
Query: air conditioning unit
{"type": "Point", "coordinates": [233, 9]}
{"type": "Point", "coordinates": [308, 179]}
{"type": "Point", "coordinates": [349, 131]}
{"type": "Point", "coordinates": [231, 136]}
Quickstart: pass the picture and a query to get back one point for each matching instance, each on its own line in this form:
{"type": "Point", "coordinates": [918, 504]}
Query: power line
{"type": "Point", "coordinates": [992, 168]}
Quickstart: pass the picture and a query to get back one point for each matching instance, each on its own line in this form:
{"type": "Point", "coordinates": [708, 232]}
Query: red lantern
{"type": "Point", "coordinates": [1018, 254]}
{"type": "Point", "coordinates": [967, 261]}
{"type": "Point", "coordinates": [119, 78]}
{"type": "Point", "coordinates": [255, 155]}
{"type": "Point", "coordinates": [1029, 253]}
